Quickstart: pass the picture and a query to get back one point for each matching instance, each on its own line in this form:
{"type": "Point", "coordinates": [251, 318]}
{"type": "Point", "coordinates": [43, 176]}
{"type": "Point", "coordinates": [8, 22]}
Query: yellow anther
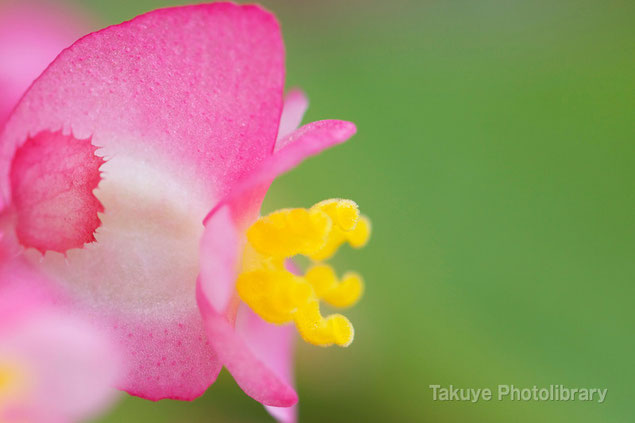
{"type": "Point", "coordinates": [359, 236]}
{"type": "Point", "coordinates": [341, 329]}
{"type": "Point", "coordinates": [288, 232]}
{"type": "Point", "coordinates": [317, 330]}
{"type": "Point", "coordinates": [327, 287]}
{"type": "Point", "coordinates": [275, 295]}
{"type": "Point", "coordinates": [345, 213]}
{"type": "Point", "coordinates": [279, 296]}
{"type": "Point", "coordinates": [347, 292]}
{"type": "Point", "coordinates": [323, 279]}
{"type": "Point", "coordinates": [348, 226]}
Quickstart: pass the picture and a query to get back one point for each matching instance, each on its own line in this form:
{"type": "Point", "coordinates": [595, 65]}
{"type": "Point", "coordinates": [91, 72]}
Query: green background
{"type": "Point", "coordinates": [495, 156]}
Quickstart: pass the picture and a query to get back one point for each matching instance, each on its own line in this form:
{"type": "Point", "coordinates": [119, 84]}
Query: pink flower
{"type": "Point", "coordinates": [111, 164]}
{"type": "Point", "coordinates": [32, 33]}
{"type": "Point", "coordinates": [53, 367]}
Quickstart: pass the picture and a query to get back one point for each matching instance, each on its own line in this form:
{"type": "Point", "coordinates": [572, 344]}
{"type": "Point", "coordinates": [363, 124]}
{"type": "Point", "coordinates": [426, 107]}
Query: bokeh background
{"type": "Point", "coordinates": [496, 157]}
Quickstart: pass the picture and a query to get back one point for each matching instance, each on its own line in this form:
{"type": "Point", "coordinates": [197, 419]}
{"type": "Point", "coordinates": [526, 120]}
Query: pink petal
{"type": "Point", "coordinates": [252, 370]}
{"type": "Point", "coordinates": [196, 91]}
{"type": "Point", "coordinates": [295, 105]}
{"type": "Point", "coordinates": [306, 141]}
{"type": "Point", "coordinates": [32, 33]}
{"type": "Point", "coordinates": [309, 140]}
{"type": "Point", "coordinates": [274, 346]}
{"type": "Point", "coordinates": [219, 257]}
{"type": "Point", "coordinates": [284, 414]}
{"type": "Point", "coordinates": [182, 103]}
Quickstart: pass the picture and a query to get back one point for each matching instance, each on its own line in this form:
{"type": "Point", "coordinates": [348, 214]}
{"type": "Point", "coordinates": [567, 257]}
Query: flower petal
{"type": "Point", "coordinates": [31, 35]}
{"type": "Point", "coordinates": [182, 102]}
{"type": "Point", "coordinates": [246, 197]}
{"type": "Point", "coordinates": [274, 346]}
{"type": "Point", "coordinates": [295, 105]}
{"type": "Point", "coordinates": [306, 141]}
{"type": "Point", "coordinates": [219, 258]}
{"type": "Point", "coordinates": [252, 368]}
{"type": "Point", "coordinates": [197, 89]}
{"type": "Point", "coordinates": [284, 414]}
{"type": "Point", "coordinates": [165, 359]}
{"type": "Point", "coordinates": [251, 372]}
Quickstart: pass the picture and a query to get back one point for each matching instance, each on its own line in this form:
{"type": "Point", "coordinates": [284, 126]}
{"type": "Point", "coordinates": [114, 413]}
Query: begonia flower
{"type": "Point", "coordinates": [32, 33]}
{"type": "Point", "coordinates": [133, 171]}
{"type": "Point", "coordinates": [54, 368]}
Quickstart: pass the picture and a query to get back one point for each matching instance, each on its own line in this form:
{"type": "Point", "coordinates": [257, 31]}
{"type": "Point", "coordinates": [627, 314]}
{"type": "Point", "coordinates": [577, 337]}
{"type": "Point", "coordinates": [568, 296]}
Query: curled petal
{"type": "Point", "coordinates": [306, 141]}
{"type": "Point", "coordinates": [309, 140]}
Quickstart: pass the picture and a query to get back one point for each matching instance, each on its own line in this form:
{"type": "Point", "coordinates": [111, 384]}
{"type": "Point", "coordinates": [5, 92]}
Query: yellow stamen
{"type": "Point", "coordinates": [327, 287]}
{"type": "Point", "coordinates": [348, 226]}
{"type": "Point", "coordinates": [344, 213]}
{"type": "Point", "coordinates": [318, 330]}
{"type": "Point", "coordinates": [288, 232]}
{"type": "Point", "coordinates": [280, 297]}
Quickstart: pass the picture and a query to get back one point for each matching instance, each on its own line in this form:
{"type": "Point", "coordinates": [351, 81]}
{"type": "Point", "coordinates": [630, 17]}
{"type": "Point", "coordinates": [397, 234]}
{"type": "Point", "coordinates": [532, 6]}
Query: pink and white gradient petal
{"type": "Point", "coordinates": [197, 90]}
{"type": "Point", "coordinates": [181, 103]}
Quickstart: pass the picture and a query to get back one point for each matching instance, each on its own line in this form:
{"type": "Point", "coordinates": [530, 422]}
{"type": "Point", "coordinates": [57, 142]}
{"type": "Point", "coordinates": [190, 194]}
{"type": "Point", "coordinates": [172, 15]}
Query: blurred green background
{"type": "Point", "coordinates": [496, 156]}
